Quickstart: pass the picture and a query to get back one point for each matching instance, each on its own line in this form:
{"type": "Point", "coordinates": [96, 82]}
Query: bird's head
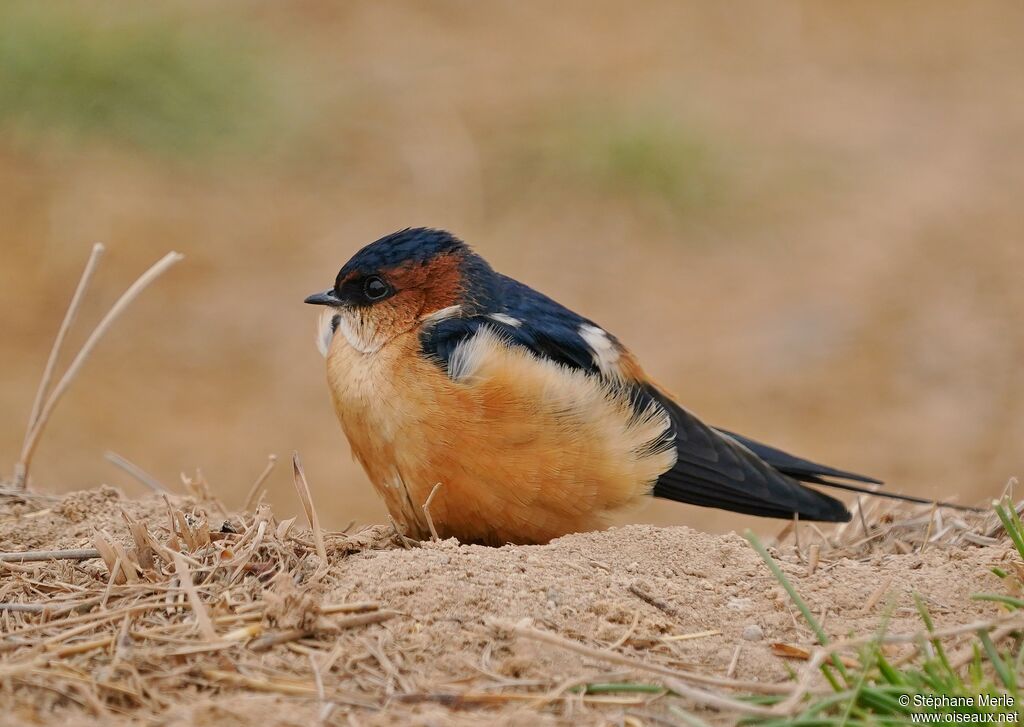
{"type": "Point", "coordinates": [398, 283]}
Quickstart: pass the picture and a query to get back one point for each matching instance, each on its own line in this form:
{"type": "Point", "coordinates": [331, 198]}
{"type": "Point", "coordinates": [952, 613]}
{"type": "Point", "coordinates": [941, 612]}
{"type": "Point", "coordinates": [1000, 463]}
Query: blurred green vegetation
{"type": "Point", "coordinates": [651, 156]}
{"type": "Point", "coordinates": [134, 76]}
{"type": "Point", "coordinates": [642, 157]}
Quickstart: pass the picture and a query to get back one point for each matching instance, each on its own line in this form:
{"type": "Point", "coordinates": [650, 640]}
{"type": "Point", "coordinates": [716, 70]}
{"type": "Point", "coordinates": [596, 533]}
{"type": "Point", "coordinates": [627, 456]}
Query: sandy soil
{"type": "Point", "coordinates": [448, 655]}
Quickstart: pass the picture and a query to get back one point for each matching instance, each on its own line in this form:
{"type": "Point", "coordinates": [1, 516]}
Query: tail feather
{"type": "Point", "coordinates": [810, 504]}
{"type": "Point", "coordinates": [796, 467]}
{"type": "Point", "coordinates": [816, 474]}
{"type": "Point", "coordinates": [715, 470]}
{"type": "Point", "coordinates": [893, 495]}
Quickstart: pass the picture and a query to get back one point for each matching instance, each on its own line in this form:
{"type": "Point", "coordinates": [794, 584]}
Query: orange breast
{"type": "Point", "coordinates": [525, 450]}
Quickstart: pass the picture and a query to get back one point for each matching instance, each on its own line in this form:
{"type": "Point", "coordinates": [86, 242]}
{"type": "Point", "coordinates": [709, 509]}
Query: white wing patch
{"type": "Point", "coordinates": [506, 319]}
{"type": "Point", "coordinates": [606, 354]}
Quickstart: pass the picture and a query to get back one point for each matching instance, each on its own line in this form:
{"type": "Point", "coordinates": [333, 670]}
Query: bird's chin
{"type": "Point", "coordinates": [326, 328]}
{"type": "Point", "coordinates": [354, 325]}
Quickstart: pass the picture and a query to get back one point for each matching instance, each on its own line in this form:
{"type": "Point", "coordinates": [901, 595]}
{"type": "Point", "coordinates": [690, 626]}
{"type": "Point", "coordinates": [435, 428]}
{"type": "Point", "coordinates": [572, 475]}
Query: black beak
{"type": "Point", "coordinates": [325, 298]}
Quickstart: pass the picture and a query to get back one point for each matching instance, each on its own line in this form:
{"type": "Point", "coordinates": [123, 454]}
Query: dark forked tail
{"type": "Point", "coordinates": [715, 468]}
{"type": "Point", "coordinates": [814, 473]}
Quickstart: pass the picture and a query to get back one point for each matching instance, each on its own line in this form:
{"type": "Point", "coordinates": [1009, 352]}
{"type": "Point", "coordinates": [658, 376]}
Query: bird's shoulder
{"type": "Point", "coordinates": [517, 315]}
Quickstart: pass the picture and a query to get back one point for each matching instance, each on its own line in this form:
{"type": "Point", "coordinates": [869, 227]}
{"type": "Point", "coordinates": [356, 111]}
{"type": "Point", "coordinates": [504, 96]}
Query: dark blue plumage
{"type": "Point", "coordinates": [545, 327]}
{"type": "Point", "coordinates": [411, 245]}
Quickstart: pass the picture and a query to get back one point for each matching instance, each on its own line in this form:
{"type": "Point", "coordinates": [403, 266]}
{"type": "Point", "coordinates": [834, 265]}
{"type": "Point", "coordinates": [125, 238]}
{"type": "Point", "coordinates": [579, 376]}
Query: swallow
{"type": "Point", "coordinates": [536, 421]}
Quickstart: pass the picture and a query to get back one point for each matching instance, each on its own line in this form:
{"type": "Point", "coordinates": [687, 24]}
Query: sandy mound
{"type": "Point", "coordinates": [388, 632]}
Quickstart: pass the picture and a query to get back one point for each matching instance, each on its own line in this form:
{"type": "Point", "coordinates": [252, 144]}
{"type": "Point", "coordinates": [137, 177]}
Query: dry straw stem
{"type": "Point", "coordinates": [302, 487]}
{"type": "Point", "coordinates": [137, 472]}
{"type": "Point", "coordinates": [28, 556]}
{"type": "Point", "coordinates": [734, 662]}
{"type": "Point", "coordinates": [46, 410]}
{"type": "Point", "coordinates": [267, 642]}
{"type": "Point", "coordinates": [692, 636]}
{"type": "Point", "coordinates": [637, 590]}
{"type": "Point", "coordinates": [877, 594]}
{"type": "Point", "coordinates": [710, 699]}
{"type": "Point", "coordinates": [804, 683]}
{"type": "Point", "coordinates": [672, 679]}
{"type": "Point", "coordinates": [93, 619]}
{"type": "Point", "coordinates": [274, 686]}
{"type": "Point", "coordinates": [202, 617]}
{"type": "Point", "coordinates": [352, 607]}
{"type": "Point", "coordinates": [614, 657]}
{"type": "Point", "coordinates": [58, 343]}
{"type": "Point", "coordinates": [426, 512]}
{"type": "Point", "coordinates": [968, 653]}
{"type": "Point", "coordinates": [271, 461]}
{"type": "Point", "coordinates": [405, 541]}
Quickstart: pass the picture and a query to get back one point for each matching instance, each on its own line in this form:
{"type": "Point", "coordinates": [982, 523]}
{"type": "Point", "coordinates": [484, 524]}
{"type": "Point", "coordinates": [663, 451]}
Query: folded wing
{"type": "Point", "coordinates": [715, 470]}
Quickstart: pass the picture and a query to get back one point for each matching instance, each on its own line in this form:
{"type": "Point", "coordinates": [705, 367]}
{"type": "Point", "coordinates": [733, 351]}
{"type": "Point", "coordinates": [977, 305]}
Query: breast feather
{"type": "Point", "coordinates": [526, 449]}
{"type": "Point", "coordinates": [589, 422]}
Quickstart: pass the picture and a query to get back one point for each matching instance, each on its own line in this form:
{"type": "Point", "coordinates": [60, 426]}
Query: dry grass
{"type": "Point", "coordinates": [47, 399]}
{"type": "Point", "coordinates": [167, 595]}
{"type": "Point", "coordinates": [178, 603]}
{"type": "Point", "coordinates": [880, 527]}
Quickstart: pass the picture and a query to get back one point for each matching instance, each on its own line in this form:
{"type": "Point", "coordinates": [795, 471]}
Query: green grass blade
{"type": "Point", "coordinates": [804, 609]}
{"type": "Point", "coordinates": [1005, 676]}
{"type": "Point", "coordinates": [999, 598]}
{"type": "Point", "coordinates": [687, 717]}
{"type": "Point", "coordinates": [888, 672]}
{"type": "Point", "coordinates": [926, 617]}
{"type": "Point", "coordinates": [612, 688]}
{"type": "Point", "coordinates": [1012, 525]}
{"type": "Point", "coordinates": [855, 697]}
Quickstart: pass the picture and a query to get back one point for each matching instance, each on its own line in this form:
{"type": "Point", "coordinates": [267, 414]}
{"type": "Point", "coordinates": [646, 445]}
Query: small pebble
{"type": "Point", "coordinates": [753, 632]}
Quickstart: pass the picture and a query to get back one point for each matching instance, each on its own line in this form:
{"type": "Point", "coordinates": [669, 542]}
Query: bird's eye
{"type": "Point", "coordinates": [374, 288]}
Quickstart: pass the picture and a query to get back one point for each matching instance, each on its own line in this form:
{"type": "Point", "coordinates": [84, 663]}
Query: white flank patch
{"type": "Point", "coordinates": [470, 354]}
{"type": "Point", "coordinates": [606, 355]}
{"type": "Point", "coordinates": [506, 319]}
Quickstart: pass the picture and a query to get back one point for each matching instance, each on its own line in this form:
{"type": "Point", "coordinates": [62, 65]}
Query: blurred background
{"type": "Point", "coordinates": [806, 218]}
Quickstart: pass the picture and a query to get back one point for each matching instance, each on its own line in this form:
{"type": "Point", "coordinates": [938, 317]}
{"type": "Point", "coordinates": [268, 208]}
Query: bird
{"type": "Point", "coordinates": [520, 420]}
